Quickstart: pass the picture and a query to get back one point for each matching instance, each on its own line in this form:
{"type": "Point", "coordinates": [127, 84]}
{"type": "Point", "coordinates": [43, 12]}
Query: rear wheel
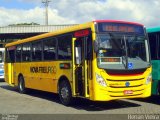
{"type": "Point", "coordinates": [65, 93]}
{"type": "Point", "coordinates": [21, 85]}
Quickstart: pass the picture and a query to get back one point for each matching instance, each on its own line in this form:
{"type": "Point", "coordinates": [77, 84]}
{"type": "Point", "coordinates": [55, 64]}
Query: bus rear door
{"type": "Point", "coordinates": [9, 72]}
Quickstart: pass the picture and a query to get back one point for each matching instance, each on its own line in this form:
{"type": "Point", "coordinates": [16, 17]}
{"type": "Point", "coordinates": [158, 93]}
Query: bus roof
{"type": "Point", "coordinates": [54, 33]}
{"type": "Point", "coordinates": [155, 29]}
{"type": "Point", "coordinates": [68, 29]}
{"type": "Point", "coordinates": [118, 21]}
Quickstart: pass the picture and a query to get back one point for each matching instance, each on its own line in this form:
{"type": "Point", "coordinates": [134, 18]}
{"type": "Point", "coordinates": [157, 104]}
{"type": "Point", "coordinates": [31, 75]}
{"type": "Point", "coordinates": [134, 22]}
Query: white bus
{"type": "Point", "coordinates": [2, 64]}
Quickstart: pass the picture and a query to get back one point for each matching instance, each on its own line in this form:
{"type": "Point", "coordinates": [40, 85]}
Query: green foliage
{"type": "Point", "coordinates": [32, 23]}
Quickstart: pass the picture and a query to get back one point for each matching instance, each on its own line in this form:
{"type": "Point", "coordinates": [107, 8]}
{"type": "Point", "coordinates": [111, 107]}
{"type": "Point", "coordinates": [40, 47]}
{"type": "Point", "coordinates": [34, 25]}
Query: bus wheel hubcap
{"type": "Point", "coordinates": [21, 87]}
{"type": "Point", "coordinates": [64, 92]}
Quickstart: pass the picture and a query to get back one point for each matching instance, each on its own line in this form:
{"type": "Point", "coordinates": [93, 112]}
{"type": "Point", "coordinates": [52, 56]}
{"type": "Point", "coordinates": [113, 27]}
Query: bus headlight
{"type": "Point", "coordinates": [149, 79]}
{"type": "Point", "coordinates": [100, 80]}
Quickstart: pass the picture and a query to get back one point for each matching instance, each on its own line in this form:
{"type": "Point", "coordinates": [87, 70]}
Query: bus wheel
{"type": "Point", "coordinates": [65, 93]}
{"type": "Point", "coordinates": [21, 85]}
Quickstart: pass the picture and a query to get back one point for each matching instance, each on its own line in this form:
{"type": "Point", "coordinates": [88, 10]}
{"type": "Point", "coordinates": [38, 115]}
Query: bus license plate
{"type": "Point", "coordinates": [128, 92]}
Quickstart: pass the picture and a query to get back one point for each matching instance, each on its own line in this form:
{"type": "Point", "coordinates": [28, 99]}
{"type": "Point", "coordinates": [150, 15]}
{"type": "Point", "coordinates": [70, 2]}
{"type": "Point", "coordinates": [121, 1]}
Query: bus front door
{"type": "Point", "coordinates": [80, 68]}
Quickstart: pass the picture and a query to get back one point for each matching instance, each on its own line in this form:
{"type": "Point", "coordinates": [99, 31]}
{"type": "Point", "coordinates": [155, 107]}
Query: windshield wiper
{"type": "Point", "coordinates": [125, 58]}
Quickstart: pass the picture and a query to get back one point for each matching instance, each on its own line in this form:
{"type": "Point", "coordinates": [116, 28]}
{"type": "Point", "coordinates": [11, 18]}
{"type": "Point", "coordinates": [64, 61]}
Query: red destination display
{"type": "Point", "coordinates": [81, 33]}
{"type": "Point", "coordinates": [114, 28]}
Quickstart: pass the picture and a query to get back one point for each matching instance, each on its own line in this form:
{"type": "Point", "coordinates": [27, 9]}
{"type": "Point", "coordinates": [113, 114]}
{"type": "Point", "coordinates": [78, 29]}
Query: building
{"type": "Point", "coordinates": [12, 33]}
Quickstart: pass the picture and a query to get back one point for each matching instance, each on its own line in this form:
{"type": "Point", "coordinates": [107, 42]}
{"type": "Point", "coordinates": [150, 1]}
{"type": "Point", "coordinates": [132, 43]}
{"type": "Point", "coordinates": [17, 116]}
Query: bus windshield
{"type": "Point", "coordinates": [122, 51]}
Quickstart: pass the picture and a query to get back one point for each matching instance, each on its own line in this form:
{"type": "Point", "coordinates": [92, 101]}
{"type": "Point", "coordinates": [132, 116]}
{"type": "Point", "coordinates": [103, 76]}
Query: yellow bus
{"type": "Point", "coordinates": [101, 60]}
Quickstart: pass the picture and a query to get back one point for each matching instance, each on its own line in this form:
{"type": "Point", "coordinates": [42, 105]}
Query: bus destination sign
{"type": "Point", "coordinates": [114, 28]}
{"type": "Point", "coordinates": [120, 27]}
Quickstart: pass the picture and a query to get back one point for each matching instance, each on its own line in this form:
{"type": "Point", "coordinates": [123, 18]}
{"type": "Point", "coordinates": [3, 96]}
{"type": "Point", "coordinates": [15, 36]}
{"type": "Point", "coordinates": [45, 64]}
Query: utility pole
{"type": "Point", "coordinates": [46, 4]}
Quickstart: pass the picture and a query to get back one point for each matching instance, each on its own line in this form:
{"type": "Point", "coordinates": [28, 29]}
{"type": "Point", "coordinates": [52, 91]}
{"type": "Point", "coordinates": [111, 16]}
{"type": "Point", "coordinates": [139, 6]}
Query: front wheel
{"type": "Point", "coordinates": [21, 85]}
{"type": "Point", "coordinates": [65, 93]}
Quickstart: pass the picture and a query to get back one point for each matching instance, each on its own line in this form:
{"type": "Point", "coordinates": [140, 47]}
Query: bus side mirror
{"type": "Point", "coordinates": [95, 46]}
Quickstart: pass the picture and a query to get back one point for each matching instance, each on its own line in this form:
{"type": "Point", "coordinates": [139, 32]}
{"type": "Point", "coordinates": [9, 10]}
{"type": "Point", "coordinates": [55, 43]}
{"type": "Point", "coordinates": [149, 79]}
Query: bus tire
{"type": "Point", "coordinates": [65, 93]}
{"type": "Point", "coordinates": [21, 85]}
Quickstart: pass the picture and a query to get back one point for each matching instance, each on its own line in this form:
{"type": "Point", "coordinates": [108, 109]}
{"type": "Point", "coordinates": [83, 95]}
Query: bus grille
{"type": "Point", "coordinates": [117, 88]}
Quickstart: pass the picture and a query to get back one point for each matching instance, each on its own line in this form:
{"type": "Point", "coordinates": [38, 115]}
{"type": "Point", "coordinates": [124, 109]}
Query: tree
{"type": "Point", "coordinates": [18, 24]}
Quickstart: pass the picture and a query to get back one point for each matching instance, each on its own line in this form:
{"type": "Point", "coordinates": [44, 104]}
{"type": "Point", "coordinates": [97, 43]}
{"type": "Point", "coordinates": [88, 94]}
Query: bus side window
{"type": "Point", "coordinates": [158, 40]}
{"type": "Point", "coordinates": [18, 53]}
{"type": "Point", "coordinates": [153, 46]}
{"type": "Point", "coordinates": [11, 56]}
{"type": "Point", "coordinates": [26, 50]}
{"type": "Point", "coordinates": [1, 56]}
{"type": "Point", "coordinates": [37, 51]}
{"type": "Point", "coordinates": [49, 49]}
{"type": "Point", "coordinates": [64, 47]}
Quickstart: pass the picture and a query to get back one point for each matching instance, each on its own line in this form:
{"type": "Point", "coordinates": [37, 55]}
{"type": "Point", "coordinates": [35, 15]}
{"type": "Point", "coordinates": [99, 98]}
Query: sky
{"type": "Point", "coordinates": [146, 12]}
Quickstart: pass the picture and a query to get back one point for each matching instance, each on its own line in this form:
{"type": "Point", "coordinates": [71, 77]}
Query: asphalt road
{"type": "Point", "coordinates": [38, 102]}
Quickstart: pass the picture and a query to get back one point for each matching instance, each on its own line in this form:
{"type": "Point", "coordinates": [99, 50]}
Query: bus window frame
{"type": "Point", "coordinates": [20, 53]}
{"type": "Point", "coordinates": [153, 36]}
{"type": "Point", "coordinates": [58, 36]}
{"type": "Point", "coordinates": [8, 60]}
{"type": "Point", "coordinates": [41, 51]}
{"type": "Point", "coordinates": [47, 39]}
{"type": "Point", "coordinates": [30, 45]}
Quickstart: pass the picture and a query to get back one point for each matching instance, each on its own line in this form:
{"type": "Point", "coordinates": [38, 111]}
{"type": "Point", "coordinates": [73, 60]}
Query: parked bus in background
{"type": "Point", "coordinates": [2, 64]}
{"type": "Point", "coordinates": [101, 60]}
{"type": "Point", "coordinates": [154, 40]}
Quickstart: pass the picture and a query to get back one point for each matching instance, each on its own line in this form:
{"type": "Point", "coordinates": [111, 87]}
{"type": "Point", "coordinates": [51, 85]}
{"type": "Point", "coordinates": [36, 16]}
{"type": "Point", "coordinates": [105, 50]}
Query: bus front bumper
{"type": "Point", "coordinates": [121, 93]}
